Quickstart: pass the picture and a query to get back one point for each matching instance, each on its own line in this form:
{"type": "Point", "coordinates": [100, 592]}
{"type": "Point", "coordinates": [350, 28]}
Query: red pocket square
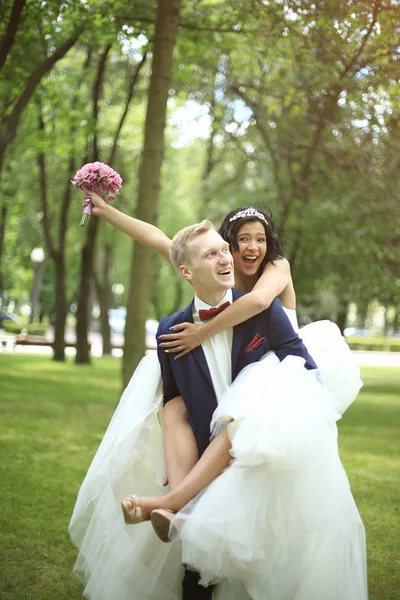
{"type": "Point", "coordinates": [255, 343]}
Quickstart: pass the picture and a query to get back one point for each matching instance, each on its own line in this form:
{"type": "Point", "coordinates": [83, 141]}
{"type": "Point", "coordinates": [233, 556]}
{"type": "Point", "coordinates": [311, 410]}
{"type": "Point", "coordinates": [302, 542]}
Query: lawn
{"type": "Point", "coordinates": [54, 416]}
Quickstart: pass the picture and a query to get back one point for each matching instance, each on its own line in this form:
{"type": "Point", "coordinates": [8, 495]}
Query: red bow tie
{"type": "Point", "coordinates": [207, 314]}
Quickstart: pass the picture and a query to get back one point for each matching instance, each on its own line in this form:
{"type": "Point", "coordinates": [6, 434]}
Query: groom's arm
{"type": "Point", "coordinates": [283, 338]}
{"type": "Point", "coordinates": [170, 387]}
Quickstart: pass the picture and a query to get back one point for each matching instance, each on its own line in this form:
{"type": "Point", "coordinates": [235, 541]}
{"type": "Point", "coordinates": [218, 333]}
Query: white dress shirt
{"type": "Point", "coordinates": [217, 349]}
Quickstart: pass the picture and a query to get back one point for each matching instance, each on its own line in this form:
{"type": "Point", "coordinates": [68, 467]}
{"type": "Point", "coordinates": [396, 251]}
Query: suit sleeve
{"type": "Point", "coordinates": [170, 387]}
{"type": "Point", "coordinates": [284, 340]}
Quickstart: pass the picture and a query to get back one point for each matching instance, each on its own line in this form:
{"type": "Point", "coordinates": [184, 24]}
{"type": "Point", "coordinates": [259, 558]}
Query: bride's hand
{"type": "Point", "coordinates": [99, 205]}
{"type": "Point", "coordinates": [185, 338]}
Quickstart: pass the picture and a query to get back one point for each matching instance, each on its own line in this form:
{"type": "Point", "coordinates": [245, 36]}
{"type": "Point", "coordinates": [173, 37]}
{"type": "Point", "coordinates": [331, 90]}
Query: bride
{"type": "Point", "coordinates": [132, 558]}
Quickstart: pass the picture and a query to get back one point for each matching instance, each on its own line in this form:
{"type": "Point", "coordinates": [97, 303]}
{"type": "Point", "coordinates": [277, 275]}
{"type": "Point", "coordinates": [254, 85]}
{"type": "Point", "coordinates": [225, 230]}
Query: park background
{"type": "Point", "coordinates": [201, 106]}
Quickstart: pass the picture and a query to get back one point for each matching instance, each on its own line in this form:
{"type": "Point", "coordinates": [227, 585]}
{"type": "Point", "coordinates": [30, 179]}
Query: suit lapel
{"type": "Point", "coordinates": [198, 352]}
{"type": "Point", "coordinates": [238, 333]}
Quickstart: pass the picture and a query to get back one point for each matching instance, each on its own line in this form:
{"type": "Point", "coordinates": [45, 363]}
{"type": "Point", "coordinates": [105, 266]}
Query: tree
{"type": "Point", "coordinates": [102, 267]}
{"type": "Point", "coordinates": [149, 181]}
{"type": "Point", "coordinates": [56, 243]}
{"type": "Point", "coordinates": [36, 67]}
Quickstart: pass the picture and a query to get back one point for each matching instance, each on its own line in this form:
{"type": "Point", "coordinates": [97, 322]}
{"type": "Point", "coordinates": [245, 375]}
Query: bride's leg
{"type": "Point", "coordinates": [211, 464]}
{"type": "Point", "coordinates": [181, 452]}
{"type": "Point", "coordinates": [180, 446]}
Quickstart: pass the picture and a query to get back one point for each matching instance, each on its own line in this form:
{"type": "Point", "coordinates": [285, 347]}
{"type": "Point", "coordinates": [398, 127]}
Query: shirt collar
{"type": "Point", "coordinates": [200, 305]}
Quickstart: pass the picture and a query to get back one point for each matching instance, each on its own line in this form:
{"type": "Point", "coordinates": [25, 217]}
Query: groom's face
{"type": "Point", "coordinates": [210, 265]}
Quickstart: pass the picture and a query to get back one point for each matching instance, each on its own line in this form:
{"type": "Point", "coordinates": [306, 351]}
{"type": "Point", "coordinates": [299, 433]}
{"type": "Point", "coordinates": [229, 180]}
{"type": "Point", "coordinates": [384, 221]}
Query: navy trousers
{"type": "Point", "coordinates": [191, 590]}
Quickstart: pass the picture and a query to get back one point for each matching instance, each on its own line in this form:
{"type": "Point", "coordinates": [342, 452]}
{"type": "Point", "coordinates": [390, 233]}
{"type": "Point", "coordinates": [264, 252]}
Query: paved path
{"type": "Point", "coordinates": [377, 359]}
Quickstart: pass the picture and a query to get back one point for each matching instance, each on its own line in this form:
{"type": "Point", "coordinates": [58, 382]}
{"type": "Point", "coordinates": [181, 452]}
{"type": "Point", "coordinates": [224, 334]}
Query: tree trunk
{"type": "Point", "coordinates": [103, 284]}
{"type": "Point", "coordinates": [362, 315]}
{"type": "Point", "coordinates": [105, 325]}
{"type": "Point", "coordinates": [141, 276]}
{"type": "Point", "coordinates": [103, 291]}
{"type": "Point", "coordinates": [342, 316]}
{"type": "Point", "coordinates": [56, 254]}
{"type": "Point", "coordinates": [59, 255]}
{"type": "Point", "coordinates": [3, 218]}
{"type": "Point", "coordinates": [61, 307]}
{"type": "Point", "coordinates": [7, 41]}
{"type": "Point", "coordinates": [156, 296]}
{"type": "Point", "coordinates": [61, 272]}
{"type": "Point", "coordinates": [210, 160]}
{"type": "Point", "coordinates": [386, 323]}
{"type": "Point", "coordinates": [39, 269]}
{"type": "Point", "coordinates": [396, 322]}
{"type": "Point", "coordinates": [82, 315]}
{"type": "Point", "coordinates": [178, 295]}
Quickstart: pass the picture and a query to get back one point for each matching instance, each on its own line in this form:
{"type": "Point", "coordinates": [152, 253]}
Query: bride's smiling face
{"type": "Point", "coordinates": [252, 241]}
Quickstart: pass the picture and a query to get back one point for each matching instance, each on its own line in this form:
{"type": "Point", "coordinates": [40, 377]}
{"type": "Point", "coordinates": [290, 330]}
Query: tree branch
{"type": "Point", "coordinates": [332, 97]}
{"type": "Point", "coordinates": [191, 26]}
{"type": "Point", "coordinates": [365, 39]}
{"type": "Point", "coordinates": [98, 83]}
{"type": "Point", "coordinates": [63, 218]}
{"type": "Point", "coordinates": [131, 89]}
{"type": "Point", "coordinates": [7, 41]}
{"type": "Point", "coordinates": [10, 124]}
{"type": "Point", "coordinates": [266, 139]}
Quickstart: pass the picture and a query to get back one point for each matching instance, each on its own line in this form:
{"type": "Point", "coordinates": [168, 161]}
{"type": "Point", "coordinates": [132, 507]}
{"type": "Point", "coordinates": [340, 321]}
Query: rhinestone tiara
{"type": "Point", "coordinates": [248, 212]}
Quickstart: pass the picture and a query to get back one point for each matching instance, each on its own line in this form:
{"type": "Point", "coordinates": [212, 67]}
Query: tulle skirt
{"type": "Point", "coordinates": [116, 561]}
{"type": "Point", "coordinates": [279, 524]}
{"type": "Point", "coordinates": [281, 519]}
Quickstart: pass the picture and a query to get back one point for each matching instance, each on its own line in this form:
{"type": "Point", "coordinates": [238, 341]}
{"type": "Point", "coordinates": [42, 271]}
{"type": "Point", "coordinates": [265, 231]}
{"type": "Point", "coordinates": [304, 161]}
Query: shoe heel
{"type": "Point", "coordinates": [161, 520]}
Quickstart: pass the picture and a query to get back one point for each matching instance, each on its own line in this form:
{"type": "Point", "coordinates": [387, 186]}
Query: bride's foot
{"type": "Point", "coordinates": [137, 510]}
{"type": "Point", "coordinates": [163, 508]}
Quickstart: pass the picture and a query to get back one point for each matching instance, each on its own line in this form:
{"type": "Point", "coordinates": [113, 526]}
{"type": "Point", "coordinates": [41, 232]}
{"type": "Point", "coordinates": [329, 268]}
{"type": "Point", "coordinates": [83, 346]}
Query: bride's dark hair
{"type": "Point", "coordinates": [235, 219]}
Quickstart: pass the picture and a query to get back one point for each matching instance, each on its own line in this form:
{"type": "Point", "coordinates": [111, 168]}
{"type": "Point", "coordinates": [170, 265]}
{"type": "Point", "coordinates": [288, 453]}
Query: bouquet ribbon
{"type": "Point", "coordinates": [87, 210]}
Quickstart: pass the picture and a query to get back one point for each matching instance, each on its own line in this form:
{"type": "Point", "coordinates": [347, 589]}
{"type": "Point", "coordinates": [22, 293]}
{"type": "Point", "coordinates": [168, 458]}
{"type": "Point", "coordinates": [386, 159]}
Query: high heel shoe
{"type": "Point", "coordinates": [133, 515]}
{"type": "Point", "coordinates": [161, 520]}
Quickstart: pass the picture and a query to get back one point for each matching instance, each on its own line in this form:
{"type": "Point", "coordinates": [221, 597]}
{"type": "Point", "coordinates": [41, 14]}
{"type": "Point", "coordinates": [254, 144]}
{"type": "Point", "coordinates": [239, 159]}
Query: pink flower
{"type": "Point", "coordinates": [100, 178]}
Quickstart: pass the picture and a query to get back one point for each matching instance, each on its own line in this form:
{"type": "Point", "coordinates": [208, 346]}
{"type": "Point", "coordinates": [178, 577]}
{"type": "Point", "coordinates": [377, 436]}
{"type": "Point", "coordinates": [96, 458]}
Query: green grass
{"type": "Point", "coordinates": [53, 418]}
{"type": "Point", "coordinates": [370, 451]}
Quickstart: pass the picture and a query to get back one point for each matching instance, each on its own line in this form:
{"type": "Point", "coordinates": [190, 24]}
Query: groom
{"type": "Point", "coordinates": [203, 258]}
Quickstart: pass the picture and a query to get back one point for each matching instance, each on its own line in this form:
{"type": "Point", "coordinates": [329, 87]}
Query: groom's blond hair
{"type": "Point", "coordinates": [179, 248]}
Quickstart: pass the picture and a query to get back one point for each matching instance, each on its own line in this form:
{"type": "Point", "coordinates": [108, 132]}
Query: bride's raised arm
{"type": "Point", "coordinates": [272, 282]}
{"type": "Point", "coordinates": [144, 233]}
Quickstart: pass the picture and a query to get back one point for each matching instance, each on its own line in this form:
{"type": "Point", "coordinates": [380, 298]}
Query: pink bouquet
{"type": "Point", "coordinates": [99, 178]}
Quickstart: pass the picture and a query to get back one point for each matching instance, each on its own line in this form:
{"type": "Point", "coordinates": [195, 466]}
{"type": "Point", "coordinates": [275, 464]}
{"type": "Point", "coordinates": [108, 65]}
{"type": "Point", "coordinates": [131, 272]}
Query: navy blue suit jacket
{"type": "Point", "coordinates": [190, 377]}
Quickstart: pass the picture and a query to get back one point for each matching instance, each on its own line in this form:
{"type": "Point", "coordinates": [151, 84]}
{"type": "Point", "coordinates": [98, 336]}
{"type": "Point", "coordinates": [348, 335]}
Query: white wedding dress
{"type": "Point", "coordinates": [279, 524]}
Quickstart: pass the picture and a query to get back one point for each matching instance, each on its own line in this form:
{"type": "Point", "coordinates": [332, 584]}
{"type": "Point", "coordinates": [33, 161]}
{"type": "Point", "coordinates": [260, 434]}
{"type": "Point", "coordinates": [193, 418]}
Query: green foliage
{"type": "Point", "coordinates": [303, 113]}
{"type": "Point", "coordinates": [378, 344]}
{"type": "Point", "coordinates": [31, 328]}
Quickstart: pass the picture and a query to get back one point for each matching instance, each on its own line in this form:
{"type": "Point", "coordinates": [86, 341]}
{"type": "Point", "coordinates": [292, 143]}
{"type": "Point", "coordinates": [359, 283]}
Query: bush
{"type": "Point", "coordinates": [32, 328]}
{"type": "Point", "coordinates": [379, 344]}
